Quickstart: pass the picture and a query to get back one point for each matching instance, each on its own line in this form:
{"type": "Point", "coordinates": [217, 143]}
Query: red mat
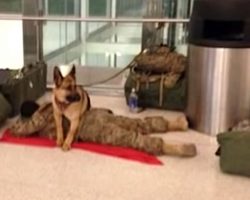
{"type": "Point", "coordinates": [120, 152]}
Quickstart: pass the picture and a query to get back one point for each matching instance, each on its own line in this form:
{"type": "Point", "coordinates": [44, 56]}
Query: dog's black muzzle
{"type": "Point", "coordinates": [73, 97]}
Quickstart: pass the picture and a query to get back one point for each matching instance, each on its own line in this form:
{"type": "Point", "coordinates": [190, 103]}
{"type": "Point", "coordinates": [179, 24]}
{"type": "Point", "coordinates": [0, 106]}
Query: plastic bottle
{"type": "Point", "coordinates": [133, 101]}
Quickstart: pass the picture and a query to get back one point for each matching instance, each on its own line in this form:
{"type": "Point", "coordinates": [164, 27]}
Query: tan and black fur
{"type": "Point", "coordinates": [70, 101]}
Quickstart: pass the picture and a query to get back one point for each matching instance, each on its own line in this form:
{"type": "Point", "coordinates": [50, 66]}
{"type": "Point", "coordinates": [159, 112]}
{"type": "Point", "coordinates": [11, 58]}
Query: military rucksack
{"type": "Point", "coordinates": [158, 75]}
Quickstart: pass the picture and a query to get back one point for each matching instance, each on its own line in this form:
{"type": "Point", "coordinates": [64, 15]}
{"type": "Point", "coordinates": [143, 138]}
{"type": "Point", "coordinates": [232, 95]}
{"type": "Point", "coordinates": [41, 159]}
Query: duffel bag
{"type": "Point", "coordinates": [158, 76]}
{"type": "Point", "coordinates": [5, 108]}
{"type": "Point", "coordinates": [235, 152]}
{"type": "Point", "coordinates": [158, 91]}
{"type": "Point", "coordinates": [27, 84]}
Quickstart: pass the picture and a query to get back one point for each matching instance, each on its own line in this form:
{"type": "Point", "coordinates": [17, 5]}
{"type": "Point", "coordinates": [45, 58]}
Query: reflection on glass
{"type": "Point", "coordinates": [52, 37]}
{"type": "Point", "coordinates": [59, 35]}
{"type": "Point", "coordinates": [113, 41]}
{"type": "Point", "coordinates": [176, 8]}
{"type": "Point", "coordinates": [105, 44]}
{"type": "Point", "coordinates": [116, 44]}
{"type": "Point", "coordinates": [10, 6]}
{"type": "Point", "coordinates": [130, 8]}
{"type": "Point", "coordinates": [98, 8]}
{"type": "Point", "coordinates": [62, 7]}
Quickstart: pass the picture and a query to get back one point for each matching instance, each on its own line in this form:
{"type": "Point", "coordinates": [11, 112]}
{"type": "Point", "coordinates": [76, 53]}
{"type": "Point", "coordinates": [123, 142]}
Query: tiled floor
{"type": "Point", "coordinates": [50, 174]}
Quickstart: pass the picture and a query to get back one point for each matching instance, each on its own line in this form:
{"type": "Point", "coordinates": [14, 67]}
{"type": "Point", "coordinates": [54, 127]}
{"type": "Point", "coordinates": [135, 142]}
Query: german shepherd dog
{"type": "Point", "coordinates": [70, 101]}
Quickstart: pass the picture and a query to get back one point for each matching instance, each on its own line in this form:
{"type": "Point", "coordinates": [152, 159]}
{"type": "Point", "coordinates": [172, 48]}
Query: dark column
{"type": "Point", "coordinates": [32, 31]}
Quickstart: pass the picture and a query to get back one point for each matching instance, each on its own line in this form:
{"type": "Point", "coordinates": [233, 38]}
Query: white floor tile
{"type": "Point", "coordinates": [44, 173]}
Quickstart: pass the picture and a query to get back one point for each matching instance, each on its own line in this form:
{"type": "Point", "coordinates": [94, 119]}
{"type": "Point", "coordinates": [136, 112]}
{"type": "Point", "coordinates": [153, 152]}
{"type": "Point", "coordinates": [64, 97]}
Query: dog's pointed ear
{"type": "Point", "coordinates": [73, 71]}
{"type": "Point", "coordinates": [57, 76]}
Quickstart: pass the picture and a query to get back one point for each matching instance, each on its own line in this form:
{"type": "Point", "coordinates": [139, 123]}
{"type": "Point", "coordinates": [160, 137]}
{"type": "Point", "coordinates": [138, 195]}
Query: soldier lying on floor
{"type": "Point", "coordinates": [102, 126]}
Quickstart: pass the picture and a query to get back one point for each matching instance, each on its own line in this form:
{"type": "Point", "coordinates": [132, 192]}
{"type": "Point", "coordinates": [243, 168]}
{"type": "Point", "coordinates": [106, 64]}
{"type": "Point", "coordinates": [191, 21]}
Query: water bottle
{"type": "Point", "coordinates": [133, 101]}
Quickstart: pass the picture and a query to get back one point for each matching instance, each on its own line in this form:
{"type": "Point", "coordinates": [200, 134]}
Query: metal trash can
{"type": "Point", "coordinates": [219, 65]}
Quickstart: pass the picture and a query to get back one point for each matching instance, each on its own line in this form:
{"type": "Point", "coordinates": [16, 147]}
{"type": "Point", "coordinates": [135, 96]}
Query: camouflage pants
{"type": "Point", "coordinates": [114, 135]}
{"type": "Point", "coordinates": [103, 127]}
{"type": "Point", "coordinates": [100, 126]}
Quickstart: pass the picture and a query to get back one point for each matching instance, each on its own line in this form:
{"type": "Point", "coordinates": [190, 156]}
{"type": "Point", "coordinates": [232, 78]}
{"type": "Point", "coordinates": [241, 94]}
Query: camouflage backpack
{"type": "Point", "coordinates": [158, 75]}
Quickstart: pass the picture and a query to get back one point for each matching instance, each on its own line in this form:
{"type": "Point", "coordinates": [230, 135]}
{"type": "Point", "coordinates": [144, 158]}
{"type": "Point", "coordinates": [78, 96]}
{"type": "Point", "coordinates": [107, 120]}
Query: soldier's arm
{"type": "Point", "coordinates": [34, 124]}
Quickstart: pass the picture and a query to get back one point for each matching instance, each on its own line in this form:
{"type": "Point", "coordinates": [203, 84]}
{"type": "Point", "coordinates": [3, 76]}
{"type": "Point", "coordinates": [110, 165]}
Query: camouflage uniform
{"type": "Point", "coordinates": [101, 126]}
{"type": "Point", "coordinates": [242, 126]}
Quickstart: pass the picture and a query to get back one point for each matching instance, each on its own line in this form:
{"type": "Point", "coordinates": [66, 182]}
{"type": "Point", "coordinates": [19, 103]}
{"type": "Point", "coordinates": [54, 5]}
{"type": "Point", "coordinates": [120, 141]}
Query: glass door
{"type": "Point", "coordinates": [61, 36]}
{"type": "Point", "coordinates": [101, 48]}
{"type": "Point", "coordinates": [176, 33]}
{"type": "Point", "coordinates": [11, 35]}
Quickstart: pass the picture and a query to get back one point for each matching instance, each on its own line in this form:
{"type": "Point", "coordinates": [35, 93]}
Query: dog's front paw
{"type": "Point", "coordinates": [59, 142]}
{"type": "Point", "coordinates": [66, 146]}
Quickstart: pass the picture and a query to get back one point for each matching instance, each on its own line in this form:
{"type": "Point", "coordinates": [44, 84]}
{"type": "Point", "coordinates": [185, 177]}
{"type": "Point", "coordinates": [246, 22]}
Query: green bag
{"type": "Point", "coordinates": [158, 76]}
{"type": "Point", "coordinates": [5, 108]}
{"type": "Point", "coordinates": [153, 95]}
{"type": "Point", "coordinates": [235, 152]}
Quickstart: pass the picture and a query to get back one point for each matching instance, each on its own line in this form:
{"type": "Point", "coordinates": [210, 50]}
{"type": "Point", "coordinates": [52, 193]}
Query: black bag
{"type": "Point", "coordinates": [158, 75]}
{"type": "Point", "coordinates": [27, 84]}
{"type": "Point", "coordinates": [5, 108]}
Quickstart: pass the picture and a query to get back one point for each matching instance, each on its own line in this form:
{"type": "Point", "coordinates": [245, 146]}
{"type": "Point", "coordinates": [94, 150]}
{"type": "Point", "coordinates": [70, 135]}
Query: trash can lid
{"type": "Point", "coordinates": [217, 23]}
{"type": "Point", "coordinates": [221, 9]}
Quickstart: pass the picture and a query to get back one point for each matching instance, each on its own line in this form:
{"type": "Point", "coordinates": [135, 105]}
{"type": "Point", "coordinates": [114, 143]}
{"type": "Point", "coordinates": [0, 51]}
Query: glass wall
{"type": "Point", "coordinates": [101, 47]}
{"type": "Point", "coordinates": [60, 35]}
{"type": "Point", "coordinates": [11, 35]}
{"type": "Point", "coordinates": [130, 8]}
{"type": "Point", "coordinates": [10, 6]}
